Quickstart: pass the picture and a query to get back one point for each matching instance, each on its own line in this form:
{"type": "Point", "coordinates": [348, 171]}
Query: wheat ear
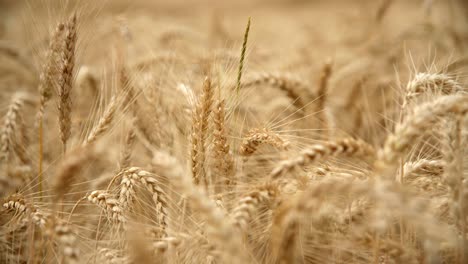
{"type": "Point", "coordinates": [47, 75]}
{"type": "Point", "coordinates": [257, 137]}
{"type": "Point", "coordinates": [344, 147]}
{"type": "Point", "coordinates": [126, 153]}
{"type": "Point", "coordinates": [293, 87]}
{"type": "Point", "coordinates": [430, 82]}
{"type": "Point", "coordinates": [423, 116]}
{"type": "Point", "coordinates": [45, 90]}
{"type": "Point", "coordinates": [132, 176]}
{"type": "Point", "coordinates": [110, 204]}
{"type": "Point", "coordinates": [104, 122]}
{"type": "Point", "coordinates": [434, 167]}
{"type": "Point", "coordinates": [224, 162]}
{"type": "Point", "coordinates": [150, 130]}
{"type": "Point", "coordinates": [244, 211]}
{"type": "Point", "coordinates": [10, 125]}
{"type": "Point", "coordinates": [200, 132]}
{"type": "Point", "coordinates": [454, 177]}
{"type": "Point", "coordinates": [322, 94]}
{"type": "Point", "coordinates": [66, 81]}
{"type": "Point", "coordinates": [26, 209]}
{"type": "Point", "coordinates": [242, 57]}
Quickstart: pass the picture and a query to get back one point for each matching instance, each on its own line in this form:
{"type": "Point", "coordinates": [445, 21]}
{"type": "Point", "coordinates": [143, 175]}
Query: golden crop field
{"type": "Point", "coordinates": [249, 131]}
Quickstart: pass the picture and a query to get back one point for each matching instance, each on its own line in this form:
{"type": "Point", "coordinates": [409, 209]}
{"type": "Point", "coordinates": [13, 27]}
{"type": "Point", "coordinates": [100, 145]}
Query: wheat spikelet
{"type": "Point", "coordinates": [200, 132]}
{"type": "Point", "coordinates": [66, 81]}
{"type": "Point", "coordinates": [344, 147]}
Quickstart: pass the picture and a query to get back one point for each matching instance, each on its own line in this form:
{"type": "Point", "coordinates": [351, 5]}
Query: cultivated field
{"type": "Point", "coordinates": [250, 131]}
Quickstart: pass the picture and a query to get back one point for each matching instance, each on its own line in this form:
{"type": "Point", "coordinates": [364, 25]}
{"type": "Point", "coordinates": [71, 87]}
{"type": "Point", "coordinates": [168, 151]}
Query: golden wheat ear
{"type": "Point", "coordinates": [200, 132]}
{"type": "Point", "coordinates": [314, 153]}
{"type": "Point", "coordinates": [257, 137]}
{"type": "Point", "coordinates": [422, 117]}
{"type": "Point", "coordinates": [10, 126]}
{"type": "Point", "coordinates": [224, 162]}
{"type": "Point", "coordinates": [66, 80]}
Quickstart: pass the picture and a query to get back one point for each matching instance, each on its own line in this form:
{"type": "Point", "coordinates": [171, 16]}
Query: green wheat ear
{"type": "Point", "coordinates": [242, 57]}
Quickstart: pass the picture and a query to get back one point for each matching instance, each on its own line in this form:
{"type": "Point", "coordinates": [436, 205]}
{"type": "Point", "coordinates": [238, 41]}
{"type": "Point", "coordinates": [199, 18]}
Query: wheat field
{"type": "Point", "coordinates": [250, 131]}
